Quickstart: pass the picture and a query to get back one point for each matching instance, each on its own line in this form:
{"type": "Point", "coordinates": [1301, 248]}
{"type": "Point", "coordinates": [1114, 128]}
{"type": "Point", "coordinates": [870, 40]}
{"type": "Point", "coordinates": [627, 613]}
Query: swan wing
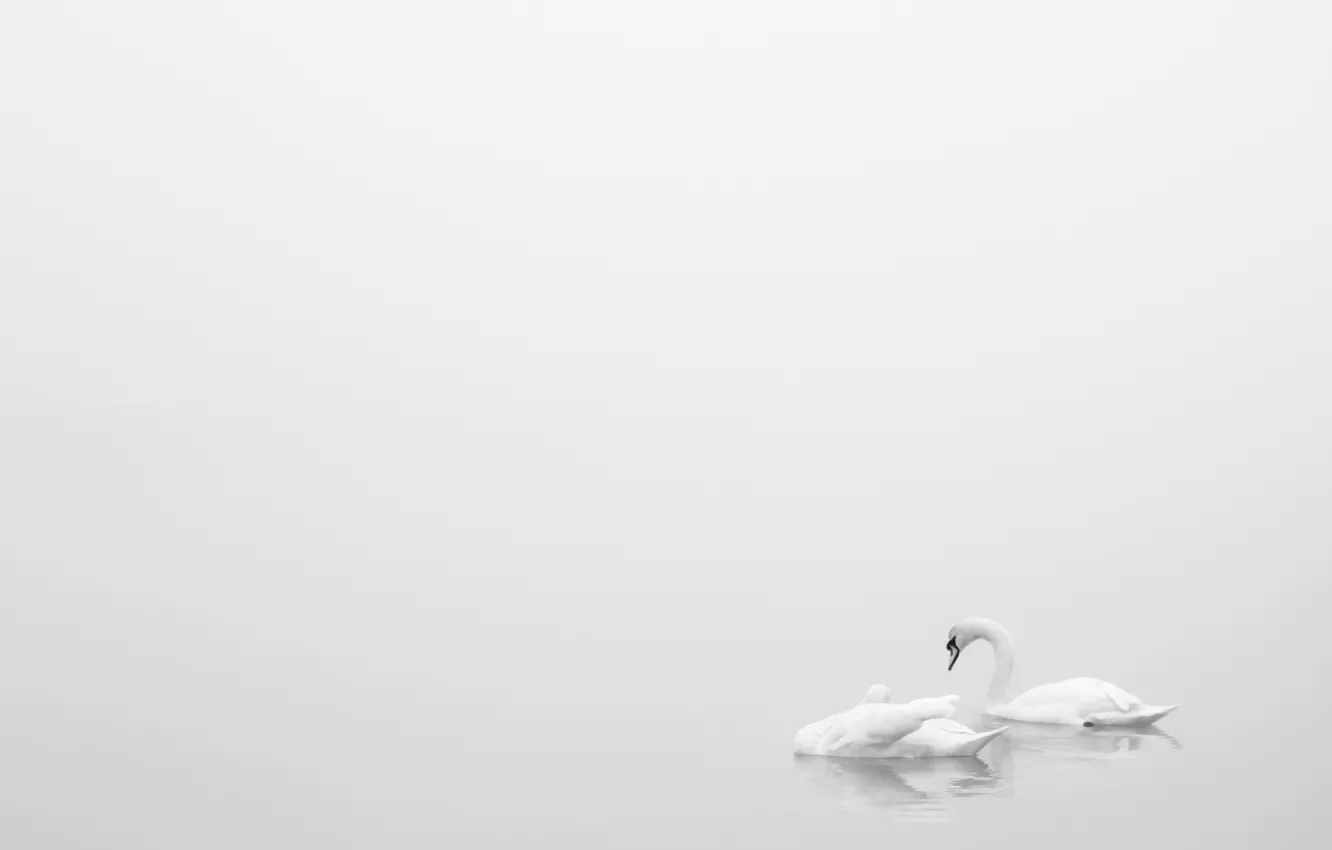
{"type": "Point", "coordinates": [1074, 701]}
{"type": "Point", "coordinates": [870, 727]}
{"type": "Point", "coordinates": [1123, 700]}
{"type": "Point", "coordinates": [951, 726]}
{"type": "Point", "coordinates": [889, 723]}
{"type": "Point", "coordinates": [934, 707]}
{"type": "Point", "coordinates": [943, 738]}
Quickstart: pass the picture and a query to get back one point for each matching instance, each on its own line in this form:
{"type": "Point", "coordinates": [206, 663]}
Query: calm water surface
{"type": "Point", "coordinates": [219, 655]}
{"type": "Point", "coordinates": [560, 717]}
{"type": "Point", "coordinates": [686, 742]}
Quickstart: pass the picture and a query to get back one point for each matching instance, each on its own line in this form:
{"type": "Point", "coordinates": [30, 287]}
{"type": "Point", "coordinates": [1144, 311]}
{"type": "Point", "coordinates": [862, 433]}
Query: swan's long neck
{"type": "Point", "coordinates": [998, 637]}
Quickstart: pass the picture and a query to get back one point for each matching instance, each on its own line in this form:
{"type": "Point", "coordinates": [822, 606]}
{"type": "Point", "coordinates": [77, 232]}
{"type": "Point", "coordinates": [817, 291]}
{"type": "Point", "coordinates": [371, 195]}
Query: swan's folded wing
{"type": "Point", "coordinates": [951, 726]}
{"type": "Point", "coordinates": [884, 723]}
{"type": "Point", "coordinates": [934, 707]}
{"type": "Point", "coordinates": [812, 739]}
{"type": "Point", "coordinates": [1123, 700]}
{"type": "Point", "coordinates": [840, 731]}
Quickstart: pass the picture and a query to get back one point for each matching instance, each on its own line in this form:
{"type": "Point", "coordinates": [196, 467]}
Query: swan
{"type": "Point", "coordinates": [1075, 702]}
{"type": "Point", "coordinates": [878, 728]}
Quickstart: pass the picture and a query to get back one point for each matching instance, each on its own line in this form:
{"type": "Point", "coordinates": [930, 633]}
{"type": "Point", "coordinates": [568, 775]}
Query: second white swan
{"type": "Point", "coordinates": [1075, 702]}
{"type": "Point", "coordinates": [877, 728]}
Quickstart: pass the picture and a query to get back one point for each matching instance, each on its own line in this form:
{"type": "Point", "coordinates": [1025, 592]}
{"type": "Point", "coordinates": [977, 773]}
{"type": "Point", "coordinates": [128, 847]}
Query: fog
{"type": "Point", "coordinates": [477, 424]}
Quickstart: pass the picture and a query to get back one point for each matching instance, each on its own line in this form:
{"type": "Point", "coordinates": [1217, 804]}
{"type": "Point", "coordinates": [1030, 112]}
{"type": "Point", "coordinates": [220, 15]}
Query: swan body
{"type": "Point", "coordinates": [877, 728]}
{"type": "Point", "coordinates": [1073, 702]}
{"type": "Point", "coordinates": [1082, 702]}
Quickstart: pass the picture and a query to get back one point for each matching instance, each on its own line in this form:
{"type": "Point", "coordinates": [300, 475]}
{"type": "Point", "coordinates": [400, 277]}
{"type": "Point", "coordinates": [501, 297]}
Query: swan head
{"type": "Point", "coordinates": [959, 637]}
{"type": "Point", "coordinates": [963, 633]}
{"type": "Point", "coordinates": [954, 649]}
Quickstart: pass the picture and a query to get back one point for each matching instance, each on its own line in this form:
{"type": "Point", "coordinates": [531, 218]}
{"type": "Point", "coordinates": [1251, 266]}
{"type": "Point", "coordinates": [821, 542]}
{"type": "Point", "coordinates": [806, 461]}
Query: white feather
{"type": "Point", "coordinates": [876, 728]}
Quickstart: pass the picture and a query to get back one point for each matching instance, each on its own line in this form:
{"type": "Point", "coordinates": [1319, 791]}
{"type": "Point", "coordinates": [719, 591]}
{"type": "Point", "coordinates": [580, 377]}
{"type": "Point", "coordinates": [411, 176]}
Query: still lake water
{"type": "Point", "coordinates": [587, 711]}
{"type": "Point", "coordinates": [692, 748]}
{"type": "Point", "coordinates": [596, 617]}
{"type": "Point", "coordinates": [602, 628]}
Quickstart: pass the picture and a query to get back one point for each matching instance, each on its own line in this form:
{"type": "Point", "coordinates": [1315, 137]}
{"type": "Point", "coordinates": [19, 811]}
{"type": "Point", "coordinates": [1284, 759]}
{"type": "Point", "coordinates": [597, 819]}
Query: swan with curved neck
{"type": "Point", "coordinates": [1080, 702]}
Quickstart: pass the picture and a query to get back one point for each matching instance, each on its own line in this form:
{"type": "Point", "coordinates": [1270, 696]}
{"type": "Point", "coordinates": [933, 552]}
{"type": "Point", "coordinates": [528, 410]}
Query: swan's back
{"type": "Point", "coordinates": [1071, 701]}
{"type": "Point", "coordinates": [868, 729]}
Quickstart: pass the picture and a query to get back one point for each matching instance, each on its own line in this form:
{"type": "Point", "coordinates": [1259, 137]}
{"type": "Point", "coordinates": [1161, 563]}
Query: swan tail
{"type": "Point", "coordinates": [1145, 716]}
{"type": "Point", "coordinates": [976, 744]}
{"type": "Point", "coordinates": [1156, 713]}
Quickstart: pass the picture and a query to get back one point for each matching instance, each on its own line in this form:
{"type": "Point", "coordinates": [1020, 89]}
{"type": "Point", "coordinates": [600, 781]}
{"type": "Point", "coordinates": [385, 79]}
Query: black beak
{"type": "Point", "coordinates": [953, 651]}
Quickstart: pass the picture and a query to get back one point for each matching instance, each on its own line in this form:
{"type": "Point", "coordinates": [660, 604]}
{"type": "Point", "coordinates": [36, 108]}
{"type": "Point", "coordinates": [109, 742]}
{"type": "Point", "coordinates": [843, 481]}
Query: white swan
{"type": "Point", "coordinates": [876, 728]}
{"type": "Point", "coordinates": [1082, 702]}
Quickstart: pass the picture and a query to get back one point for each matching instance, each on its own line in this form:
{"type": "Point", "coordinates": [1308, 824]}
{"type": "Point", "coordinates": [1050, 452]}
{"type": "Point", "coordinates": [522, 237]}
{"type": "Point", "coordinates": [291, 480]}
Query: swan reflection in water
{"type": "Point", "coordinates": [1076, 742]}
{"type": "Point", "coordinates": [918, 789]}
{"type": "Point", "coordinates": [927, 789]}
